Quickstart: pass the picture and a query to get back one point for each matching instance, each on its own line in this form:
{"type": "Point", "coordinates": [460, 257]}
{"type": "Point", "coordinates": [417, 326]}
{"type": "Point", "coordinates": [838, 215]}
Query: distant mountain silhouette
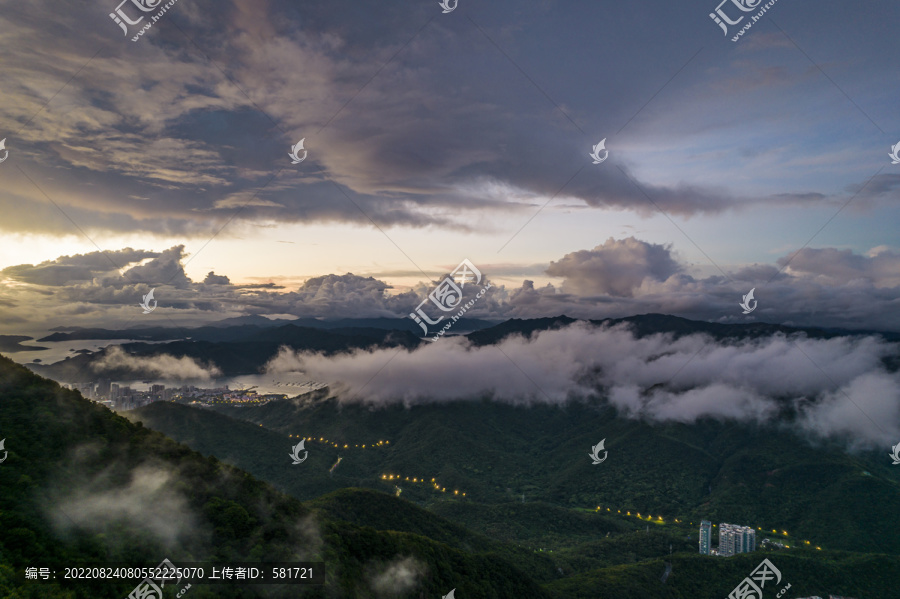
{"type": "Point", "coordinates": [235, 328]}
{"type": "Point", "coordinates": [650, 324]}
{"type": "Point", "coordinates": [245, 349]}
{"type": "Point", "coordinates": [13, 343]}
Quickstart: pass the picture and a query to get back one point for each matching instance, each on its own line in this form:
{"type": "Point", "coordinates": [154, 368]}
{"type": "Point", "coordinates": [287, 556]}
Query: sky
{"type": "Point", "coordinates": [430, 138]}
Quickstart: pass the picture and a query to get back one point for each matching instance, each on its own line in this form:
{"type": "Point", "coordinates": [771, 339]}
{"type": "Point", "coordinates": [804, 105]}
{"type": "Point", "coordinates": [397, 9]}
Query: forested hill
{"type": "Point", "coordinates": [82, 485]}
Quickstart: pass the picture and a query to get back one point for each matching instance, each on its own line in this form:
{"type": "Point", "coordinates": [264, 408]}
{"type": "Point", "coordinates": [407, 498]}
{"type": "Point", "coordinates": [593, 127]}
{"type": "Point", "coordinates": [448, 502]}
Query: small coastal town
{"type": "Point", "coordinates": [118, 396]}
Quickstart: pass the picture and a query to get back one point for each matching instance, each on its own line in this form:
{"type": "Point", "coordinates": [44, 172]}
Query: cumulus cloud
{"type": "Point", "coordinates": [214, 279]}
{"type": "Point", "coordinates": [89, 276]}
{"type": "Point", "coordinates": [614, 268]}
{"type": "Point", "coordinates": [880, 268]}
{"type": "Point", "coordinates": [655, 377]}
{"type": "Point", "coordinates": [349, 295]}
{"type": "Point", "coordinates": [183, 368]}
{"type": "Point", "coordinates": [165, 268]}
{"type": "Point", "coordinates": [824, 287]}
{"type": "Point", "coordinates": [80, 267]}
{"type": "Point", "coordinates": [398, 578]}
{"type": "Point", "coordinates": [621, 277]}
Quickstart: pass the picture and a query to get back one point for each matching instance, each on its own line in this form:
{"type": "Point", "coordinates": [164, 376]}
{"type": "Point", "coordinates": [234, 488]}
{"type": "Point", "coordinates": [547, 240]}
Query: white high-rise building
{"type": "Point", "coordinates": [734, 539]}
{"type": "Point", "coordinates": [705, 536]}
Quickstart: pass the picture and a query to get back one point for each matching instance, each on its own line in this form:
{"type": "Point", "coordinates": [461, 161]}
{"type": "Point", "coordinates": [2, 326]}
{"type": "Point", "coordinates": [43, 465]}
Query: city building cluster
{"type": "Point", "coordinates": [123, 397]}
{"type": "Point", "coordinates": [733, 539]}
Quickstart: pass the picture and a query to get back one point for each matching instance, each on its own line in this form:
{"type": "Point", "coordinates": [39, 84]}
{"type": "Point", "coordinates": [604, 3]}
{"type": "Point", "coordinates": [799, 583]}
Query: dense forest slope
{"type": "Point", "coordinates": [83, 485]}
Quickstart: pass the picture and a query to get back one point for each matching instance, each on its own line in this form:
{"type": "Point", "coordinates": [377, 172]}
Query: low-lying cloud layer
{"type": "Point", "coordinates": [183, 368]}
{"type": "Point", "coordinates": [831, 388]}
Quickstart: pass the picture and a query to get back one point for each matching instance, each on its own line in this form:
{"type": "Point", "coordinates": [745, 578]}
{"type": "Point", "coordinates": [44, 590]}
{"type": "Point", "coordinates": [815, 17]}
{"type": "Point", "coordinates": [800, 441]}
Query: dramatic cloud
{"type": "Point", "coordinates": [183, 368]}
{"type": "Point", "coordinates": [149, 138]}
{"type": "Point", "coordinates": [72, 269]}
{"type": "Point", "coordinates": [165, 269]}
{"type": "Point", "coordinates": [823, 287]}
{"type": "Point", "coordinates": [349, 295]}
{"type": "Point", "coordinates": [655, 377]}
{"type": "Point", "coordinates": [818, 287]}
{"type": "Point", "coordinates": [614, 268]}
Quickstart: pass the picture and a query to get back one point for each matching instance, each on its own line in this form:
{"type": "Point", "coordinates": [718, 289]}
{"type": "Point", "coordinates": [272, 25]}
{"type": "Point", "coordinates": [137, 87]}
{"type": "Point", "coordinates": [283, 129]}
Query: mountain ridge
{"type": "Point", "coordinates": [82, 485]}
{"type": "Point", "coordinates": [246, 349]}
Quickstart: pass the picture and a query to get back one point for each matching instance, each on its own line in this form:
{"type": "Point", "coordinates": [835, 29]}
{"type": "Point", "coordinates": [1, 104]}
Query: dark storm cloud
{"type": "Point", "coordinates": [149, 137]}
